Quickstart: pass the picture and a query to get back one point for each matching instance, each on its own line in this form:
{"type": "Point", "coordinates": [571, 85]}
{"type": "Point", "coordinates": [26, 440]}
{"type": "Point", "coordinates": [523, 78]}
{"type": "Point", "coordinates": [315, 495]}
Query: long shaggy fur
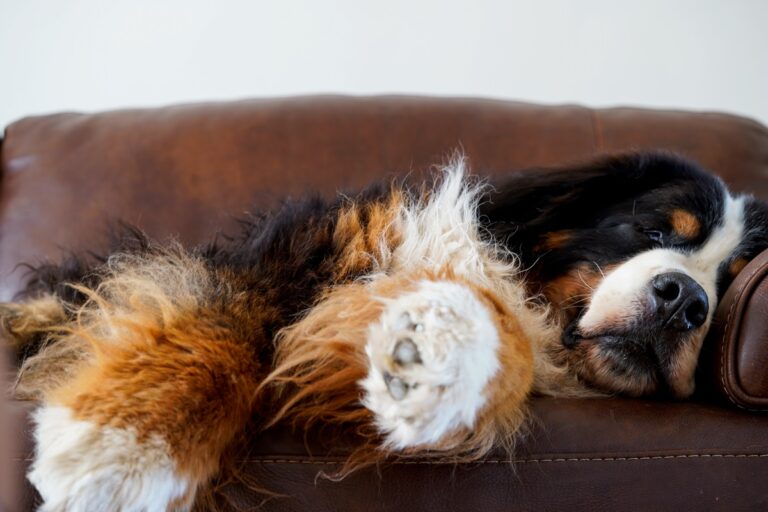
{"type": "Point", "coordinates": [184, 352]}
{"type": "Point", "coordinates": [320, 360]}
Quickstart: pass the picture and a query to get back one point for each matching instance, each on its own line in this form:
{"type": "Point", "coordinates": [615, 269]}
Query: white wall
{"type": "Point", "coordinates": [98, 54]}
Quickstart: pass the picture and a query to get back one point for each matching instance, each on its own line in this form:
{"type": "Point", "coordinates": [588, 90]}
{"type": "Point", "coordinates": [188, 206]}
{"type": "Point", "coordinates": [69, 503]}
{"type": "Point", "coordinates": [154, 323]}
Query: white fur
{"type": "Point", "coordinates": [457, 343]}
{"type": "Point", "coordinates": [442, 231]}
{"type": "Point", "coordinates": [80, 466]}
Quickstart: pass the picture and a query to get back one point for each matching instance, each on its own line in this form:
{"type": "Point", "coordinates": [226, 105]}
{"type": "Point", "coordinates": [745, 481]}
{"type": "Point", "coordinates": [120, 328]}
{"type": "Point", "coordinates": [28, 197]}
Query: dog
{"type": "Point", "coordinates": [423, 316]}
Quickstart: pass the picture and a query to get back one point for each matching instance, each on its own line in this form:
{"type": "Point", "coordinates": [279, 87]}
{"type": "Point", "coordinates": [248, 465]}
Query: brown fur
{"type": "Point", "coordinates": [737, 266]}
{"type": "Point", "coordinates": [362, 231]}
{"type": "Point", "coordinates": [147, 352]}
{"type": "Point", "coordinates": [685, 224]}
{"type": "Point", "coordinates": [553, 240]}
{"type": "Point", "coordinates": [574, 288]}
{"type": "Point", "coordinates": [189, 382]}
{"type": "Point", "coordinates": [321, 359]}
{"type": "Point", "coordinates": [503, 417]}
{"type": "Point", "coordinates": [684, 364]}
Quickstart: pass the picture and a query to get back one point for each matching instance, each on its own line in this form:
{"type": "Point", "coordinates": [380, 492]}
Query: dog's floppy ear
{"type": "Point", "coordinates": [529, 203]}
{"type": "Point", "coordinates": [756, 226]}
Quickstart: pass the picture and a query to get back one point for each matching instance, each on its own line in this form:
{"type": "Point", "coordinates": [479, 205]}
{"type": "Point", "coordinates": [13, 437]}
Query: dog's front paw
{"type": "Point", "coordinates": [431, 355]}
{"type": "Point", "coordinates": [82, 466]}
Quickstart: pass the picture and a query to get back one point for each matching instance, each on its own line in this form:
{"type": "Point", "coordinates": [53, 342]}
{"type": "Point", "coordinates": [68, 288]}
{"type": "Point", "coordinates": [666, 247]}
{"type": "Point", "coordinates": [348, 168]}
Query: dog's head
{"type": "Point", "coordinates": [633, 253]}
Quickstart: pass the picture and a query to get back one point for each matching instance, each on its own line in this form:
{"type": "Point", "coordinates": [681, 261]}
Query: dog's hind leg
{"type": "Point", "coordinates": [144, 424]}
{"type": "Point", "coordinates": [165, 385]}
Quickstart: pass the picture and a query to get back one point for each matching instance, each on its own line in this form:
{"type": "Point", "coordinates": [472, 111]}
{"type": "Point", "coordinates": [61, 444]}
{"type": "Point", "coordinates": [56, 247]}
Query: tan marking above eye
{"type": "Point", "coordinates": [685, 223]}
{"type": "Point", "coordinates": [737, 266]}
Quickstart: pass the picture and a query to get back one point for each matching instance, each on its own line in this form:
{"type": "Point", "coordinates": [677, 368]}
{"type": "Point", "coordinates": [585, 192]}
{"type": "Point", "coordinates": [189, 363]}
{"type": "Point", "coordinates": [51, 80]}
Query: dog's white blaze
{"type": "Point", "coordinates": [724, 240]}
{"type": "Point", "coordinates": [616, 299]}
{"type": "Point", "coordinates": [80, 466]}
{"type": "Point", "coordinates": [458, 349]}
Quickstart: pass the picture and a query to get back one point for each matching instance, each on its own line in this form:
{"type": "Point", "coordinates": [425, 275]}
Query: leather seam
{"type": "Point", "coordinates": [726, 358]}
{"type": "Point", "coordinates": [527, 461]}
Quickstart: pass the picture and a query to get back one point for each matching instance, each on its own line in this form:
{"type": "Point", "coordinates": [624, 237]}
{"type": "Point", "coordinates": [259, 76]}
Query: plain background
{"type": "Point", "coordinates": [97, 54]}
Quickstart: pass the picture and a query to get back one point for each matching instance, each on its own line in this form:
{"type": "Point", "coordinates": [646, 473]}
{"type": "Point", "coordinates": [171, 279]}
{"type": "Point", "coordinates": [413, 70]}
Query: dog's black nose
{"type": "Point", "coordinates": [681, 303]}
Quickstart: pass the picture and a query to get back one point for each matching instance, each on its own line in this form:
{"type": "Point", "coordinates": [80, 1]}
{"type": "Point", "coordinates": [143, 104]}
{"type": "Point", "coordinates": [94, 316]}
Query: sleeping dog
{"type": "Point", "coordinates": [421, 315]}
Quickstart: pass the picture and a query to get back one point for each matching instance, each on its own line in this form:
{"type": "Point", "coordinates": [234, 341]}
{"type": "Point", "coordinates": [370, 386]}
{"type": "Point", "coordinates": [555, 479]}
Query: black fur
{"type": "Point", "coordinates": [612, 208]}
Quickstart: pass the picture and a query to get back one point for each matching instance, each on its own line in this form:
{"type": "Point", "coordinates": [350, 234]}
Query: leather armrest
{"type": "Point", "coordinates": [735, 361]}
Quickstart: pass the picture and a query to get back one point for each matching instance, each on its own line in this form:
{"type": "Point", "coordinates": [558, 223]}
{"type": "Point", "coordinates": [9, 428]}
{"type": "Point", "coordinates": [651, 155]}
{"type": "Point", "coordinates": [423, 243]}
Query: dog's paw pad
{"type": "Point", "coordinates": [396, 386]}
{"type": "Point", "coordinates": [406, 352]}
{"type": "Point", "coordinates": [431, 355]}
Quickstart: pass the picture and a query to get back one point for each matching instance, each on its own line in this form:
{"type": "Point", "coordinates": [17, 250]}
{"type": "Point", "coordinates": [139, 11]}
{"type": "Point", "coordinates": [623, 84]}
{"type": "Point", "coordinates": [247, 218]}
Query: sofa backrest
{"type": "Point", "coordinates": [188, 171]}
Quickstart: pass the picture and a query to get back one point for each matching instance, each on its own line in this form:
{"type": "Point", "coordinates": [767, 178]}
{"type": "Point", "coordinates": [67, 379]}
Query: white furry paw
{"type": "Point", "coordinates": [431, 356]}
{"type": "Point", "coordinates": [80, 466]}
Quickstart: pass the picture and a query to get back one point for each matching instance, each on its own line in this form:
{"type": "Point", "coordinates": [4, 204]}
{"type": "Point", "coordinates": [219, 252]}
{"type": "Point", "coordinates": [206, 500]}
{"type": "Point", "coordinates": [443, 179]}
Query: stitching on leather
{"type": "Point", "coordinates": [728, 327]}
{"type": "Point", "coordinates": [528, 461]}
{"type": "Point", "coordinates": [507, 461]}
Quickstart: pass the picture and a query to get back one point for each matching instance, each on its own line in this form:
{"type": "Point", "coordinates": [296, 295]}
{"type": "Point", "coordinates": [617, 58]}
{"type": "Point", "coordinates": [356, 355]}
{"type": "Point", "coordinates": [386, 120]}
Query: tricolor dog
{"type": "Point", "coordinates": [423, 315]}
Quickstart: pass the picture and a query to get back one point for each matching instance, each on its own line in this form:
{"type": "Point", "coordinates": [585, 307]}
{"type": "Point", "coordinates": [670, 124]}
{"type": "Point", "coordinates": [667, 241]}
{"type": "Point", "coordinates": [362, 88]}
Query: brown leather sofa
{"type": "Point", "coordinates": [187, 170]}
